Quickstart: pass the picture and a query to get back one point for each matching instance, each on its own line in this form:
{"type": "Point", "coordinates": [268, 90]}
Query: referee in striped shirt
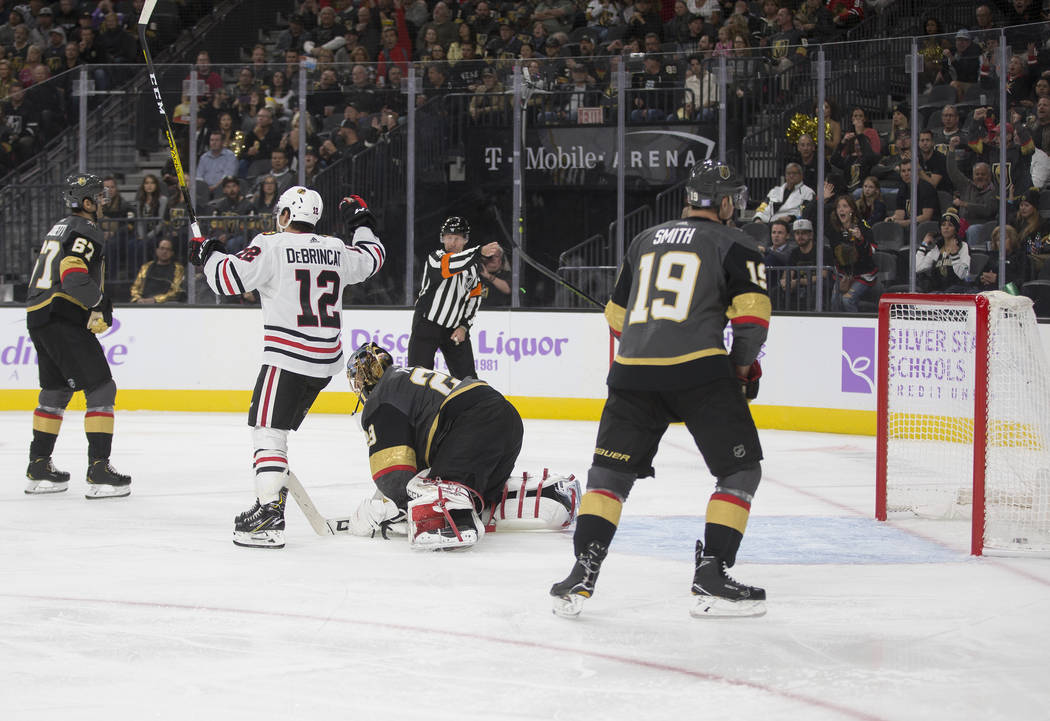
{"type": "Point", "coordinates": [448, 300]}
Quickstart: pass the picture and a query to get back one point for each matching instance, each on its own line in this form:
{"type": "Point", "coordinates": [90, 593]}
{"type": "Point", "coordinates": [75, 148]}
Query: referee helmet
{"type": "Point", "coordinates": [455, 225]}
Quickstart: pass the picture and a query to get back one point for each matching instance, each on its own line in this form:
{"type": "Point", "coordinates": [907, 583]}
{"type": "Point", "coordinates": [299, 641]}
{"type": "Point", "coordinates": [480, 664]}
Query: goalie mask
{"type": "Point", "coordinates": [303, 206]}
{"type": "Point", "coordinates": [366, 366]}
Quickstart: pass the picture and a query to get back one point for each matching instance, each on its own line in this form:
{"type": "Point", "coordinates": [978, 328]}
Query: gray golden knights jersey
{"type": "Point", "coordinates": [300, 278]}
{"type": "Point", "coordinates": [680, 283]}
{"type": "Point", "coordinates": [406, 417]}
{"type": "Point", "coordinates": [68, 278]}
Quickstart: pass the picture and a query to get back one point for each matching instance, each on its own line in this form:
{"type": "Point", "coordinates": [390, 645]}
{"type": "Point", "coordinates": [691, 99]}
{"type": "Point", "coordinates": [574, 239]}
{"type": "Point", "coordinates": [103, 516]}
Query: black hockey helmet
{"type": "Point", "coordinates": [710, 181]}
{"type": "Point", "coordinates": [457, 225]}
{"type": "Point", "coordinates": [366, 366]}
{"type": "Point", "coordinates": [81, 186]}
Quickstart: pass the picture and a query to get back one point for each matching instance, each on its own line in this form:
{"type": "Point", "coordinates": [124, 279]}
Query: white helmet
{"type": "Point", "coordinates": [304, 205]}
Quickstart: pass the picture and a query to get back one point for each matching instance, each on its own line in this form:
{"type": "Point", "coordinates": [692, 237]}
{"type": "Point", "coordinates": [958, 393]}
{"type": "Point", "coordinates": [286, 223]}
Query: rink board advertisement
{"type": "Point", "coordinates": [818, 373]}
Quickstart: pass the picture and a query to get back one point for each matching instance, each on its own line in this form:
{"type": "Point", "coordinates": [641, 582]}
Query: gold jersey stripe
{"type": "Point", "coordinates": [756, 305]}
{"type": "Point", "coordinates": [673, 360]}
{"type": "Point", "coordinates": [727, 514]}
{"type": "Point", "coordinates": [615, 315]}
{"type": "Point", "coordinates": [601, 505]}
{"type": "Point", "coordinates": [64, 296]}
{"type": "Point", "coordinates": [391, 457]}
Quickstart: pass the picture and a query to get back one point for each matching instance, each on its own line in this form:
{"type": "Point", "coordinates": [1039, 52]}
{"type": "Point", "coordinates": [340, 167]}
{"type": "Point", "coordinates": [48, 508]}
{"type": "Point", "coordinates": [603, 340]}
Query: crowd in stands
{"type": "Point", "coordinates": [357, 56]}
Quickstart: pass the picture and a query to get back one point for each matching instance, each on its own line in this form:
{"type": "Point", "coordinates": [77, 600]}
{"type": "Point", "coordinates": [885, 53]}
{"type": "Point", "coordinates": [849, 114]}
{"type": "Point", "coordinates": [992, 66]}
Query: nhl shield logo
{"type": "Point", "coordinates": [724, 172]}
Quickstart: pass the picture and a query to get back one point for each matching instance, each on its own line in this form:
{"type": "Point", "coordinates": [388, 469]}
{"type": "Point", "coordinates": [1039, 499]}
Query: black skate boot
{"type": "Point", "coordinates": [570, 594]}
{"type": "Point", "coordinates": [718, 594]}
{"type": "Point", "coordinates": [104, 481]}
{"type": "Point", "coordinates": [262, 526]}
{"type": "Point", "coordinates": [45, 478]}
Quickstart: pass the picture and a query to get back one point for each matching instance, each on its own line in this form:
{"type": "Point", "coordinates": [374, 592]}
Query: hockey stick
{"type": "Point", "coordinates": [322, 526]}
{"type": "Point", "coordinates": [544, 270]}
{"type": "Point", "coordinates": [147, 11]}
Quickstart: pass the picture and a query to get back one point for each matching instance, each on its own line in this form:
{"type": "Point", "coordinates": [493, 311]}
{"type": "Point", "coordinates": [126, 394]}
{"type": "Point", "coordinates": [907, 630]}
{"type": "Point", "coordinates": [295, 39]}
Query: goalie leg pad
{"type": "Point", "coordinates": [538, 501]}
{"type": "Point", "coordinates": [443, 515]}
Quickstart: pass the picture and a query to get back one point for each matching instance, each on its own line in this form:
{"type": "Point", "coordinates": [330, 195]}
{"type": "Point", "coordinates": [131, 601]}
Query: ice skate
{"type": "Point", "coordinates": [263, 525]}
{"type": "Point", "coordinates": [104, 481]}
{"type": "Point", "coordinates": [718, 594]}
{"type": "Point", "coordinates": [45, 478]}
{"type": "Point", "coordinates": [570, 594]}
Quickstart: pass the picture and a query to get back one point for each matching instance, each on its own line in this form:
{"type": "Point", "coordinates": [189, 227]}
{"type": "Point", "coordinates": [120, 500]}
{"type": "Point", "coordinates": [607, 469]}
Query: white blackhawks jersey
{"type": "Point", "coordinates": [300, 279]}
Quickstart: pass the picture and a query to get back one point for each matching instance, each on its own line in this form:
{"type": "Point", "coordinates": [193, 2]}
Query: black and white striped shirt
{"type": "Point", "coordinates": [451, 290]}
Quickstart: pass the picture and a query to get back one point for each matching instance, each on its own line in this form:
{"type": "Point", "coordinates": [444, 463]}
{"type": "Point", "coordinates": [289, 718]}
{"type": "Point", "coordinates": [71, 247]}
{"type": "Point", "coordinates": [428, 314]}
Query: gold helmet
{"type": "Point", "coordinates": [365, 367]}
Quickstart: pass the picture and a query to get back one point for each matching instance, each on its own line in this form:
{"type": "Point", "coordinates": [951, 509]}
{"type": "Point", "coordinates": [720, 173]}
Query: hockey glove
{"type": "Point", "coordinates": [354, 212]}
{"type": "Point", "coordinates": [749, 381]}
{"type": "Point", "coordinates": [101, 317]}
{"type": "Point", "coordinates": [201, 248]}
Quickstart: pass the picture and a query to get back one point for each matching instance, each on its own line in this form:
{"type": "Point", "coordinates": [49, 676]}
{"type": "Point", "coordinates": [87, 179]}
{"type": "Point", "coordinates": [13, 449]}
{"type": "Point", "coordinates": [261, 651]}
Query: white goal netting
{"type": "Point", "coordinates": [932, 385]}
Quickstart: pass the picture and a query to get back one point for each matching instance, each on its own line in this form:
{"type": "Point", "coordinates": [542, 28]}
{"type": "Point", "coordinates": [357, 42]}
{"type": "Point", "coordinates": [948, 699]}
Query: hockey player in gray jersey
{"type": "Point", "coordinates": [441, 451]}
{"type": "Point", "coordinates": [678, 285]}
{"type": "Point", "coordinates": [67, 307]}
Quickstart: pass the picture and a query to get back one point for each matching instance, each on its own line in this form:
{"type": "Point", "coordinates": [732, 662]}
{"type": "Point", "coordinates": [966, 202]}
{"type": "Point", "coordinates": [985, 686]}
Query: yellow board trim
{"type": "Point", "coordinates": [788, 418]}
{"type": "Point", "coordinates": [601, 505]}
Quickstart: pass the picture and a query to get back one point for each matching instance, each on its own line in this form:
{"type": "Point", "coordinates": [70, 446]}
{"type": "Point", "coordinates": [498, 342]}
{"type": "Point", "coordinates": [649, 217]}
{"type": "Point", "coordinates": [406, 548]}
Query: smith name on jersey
{"type": "Point", "coordinates": [68, 278]}
{"type": "Point", "coordinates": [680, 283]}
{"type": "Point", "coordinates": [300, 278]}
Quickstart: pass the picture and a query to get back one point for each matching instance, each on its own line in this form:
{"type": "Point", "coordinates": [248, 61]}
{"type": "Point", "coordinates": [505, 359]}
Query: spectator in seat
{"type": "Point", "coordinates": [651, 91]}
{"type": "Point", "coordinates": [933, 166]}
{"type": "Point", "coordinates": [870, 205]}
{"type": "Point", "coordinates": [232, 204]}
{"type": "Point", "coordinates": [362, 91]}
{"type": "Point", "coordinates": [150, 203]}
{"type": "Point", "coordinates": [117, 227]}
{"type": "Point", "coordinates": [1040, 126]}
{"type": "Point", "coordinates": [47, 98]}
{"type": "Point", "coordinates": [489, 106]}
{"type": "Point", "coordinates": [806, 156]}
{"type": "Point", "coordinates": [280, 170]}
{"type": "Point", "coordinates": [799, 285]}
{"type": "Point", "coordinates": [284, 97]}
{"type": "Point", "coordinates": [557, 16]}
{"type": "Point", "coordinates": [702, 89]}
{"type": "Point", "coordinates": [22, 121]}
{"type": "Point", "coordinates": [327, 97]}
{"type": "Point", "coordinates": [961, 67]}
{"type": "Point", "coordinates": [160, 280]}
{"type": "Point", "coordinates": [442, 25]}
{"type": "Point", "coordinates": [975, 198]}
{"type": "Point", "coordinates": [852, 247]}
{"type": "Point", "coordinates": [1020, 267]}
{"type": "Point", "coordinates": [55, 49]}
{"type": "Point", "coordinates": [942, 262]}
{"type": "Point", "coordinates": [216, 164]}
{"type": "Point", "coordinates": [569, 98]}
{"type": "Point", "coordinates": [261, 141]}
{"type": "Point", "coordinates": [778, 251]}
{"type": "Point", "coordinates": [786, 199]}
{"type": "Point", "coordinates": [833, 134]}
{"type": "Point", "coordinates": [294, 37]}
{"type": "Point", "coordinates": [929, 202]}
{"type": "Point", "coordinates": [949, 129]}
{"type": "Point", "coordinates": [266, 196]}
{"type": "Point", "coordinates": [1033, 231]}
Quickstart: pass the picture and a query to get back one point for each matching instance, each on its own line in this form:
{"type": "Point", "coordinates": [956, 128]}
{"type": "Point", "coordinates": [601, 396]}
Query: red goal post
{"type": "Point", "coordinates": [964, 417]}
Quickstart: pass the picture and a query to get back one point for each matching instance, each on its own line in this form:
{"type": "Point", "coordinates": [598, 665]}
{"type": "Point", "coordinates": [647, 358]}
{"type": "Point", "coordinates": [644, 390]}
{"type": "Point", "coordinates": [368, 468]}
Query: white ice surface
{"type": "Point", "coordinates": [142, 608]}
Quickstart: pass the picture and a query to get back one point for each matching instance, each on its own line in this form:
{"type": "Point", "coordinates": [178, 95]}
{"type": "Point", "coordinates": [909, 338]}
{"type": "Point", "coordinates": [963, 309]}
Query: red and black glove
{"type": "Point", "coordinates": [354, 212]}
{"type": "Point", "coordinates": [749, 381]}
{"type": "Point", "coordinates": [201, 248]}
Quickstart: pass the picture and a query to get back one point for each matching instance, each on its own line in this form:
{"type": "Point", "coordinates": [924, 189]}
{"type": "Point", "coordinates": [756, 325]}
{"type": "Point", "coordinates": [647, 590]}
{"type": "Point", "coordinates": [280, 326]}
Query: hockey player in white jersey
{"type": "Point", "coordinates": [300, 276]}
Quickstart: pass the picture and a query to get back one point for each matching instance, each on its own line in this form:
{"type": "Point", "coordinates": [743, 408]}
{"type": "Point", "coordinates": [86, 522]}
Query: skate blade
{"type": "Point", "coordinates": [260, 539]}
{"type": "Point", "coordinates": [36, 488]}
{"type": "Point", "coordinates": [96, 491]}
{"type": "Point", "coordinates": [714, 607]}
{"type": "Point", "coordinates": [567, 606]}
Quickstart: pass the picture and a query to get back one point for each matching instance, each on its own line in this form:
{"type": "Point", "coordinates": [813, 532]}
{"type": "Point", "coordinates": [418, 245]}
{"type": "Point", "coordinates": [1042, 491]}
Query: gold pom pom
{"type": "Point", "coordinates": [802, 124]}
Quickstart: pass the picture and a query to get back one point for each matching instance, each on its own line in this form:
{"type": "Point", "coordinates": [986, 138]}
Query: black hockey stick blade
{"type": "Point", "coordinates": [544, 270]}
{"type": "Point", "coordinates": [144, 16]}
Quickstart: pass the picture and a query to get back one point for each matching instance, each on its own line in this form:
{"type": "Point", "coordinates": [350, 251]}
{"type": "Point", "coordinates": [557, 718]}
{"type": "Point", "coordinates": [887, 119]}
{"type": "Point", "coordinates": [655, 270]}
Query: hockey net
{"type": "Point", "coordinates": [964, 417]}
